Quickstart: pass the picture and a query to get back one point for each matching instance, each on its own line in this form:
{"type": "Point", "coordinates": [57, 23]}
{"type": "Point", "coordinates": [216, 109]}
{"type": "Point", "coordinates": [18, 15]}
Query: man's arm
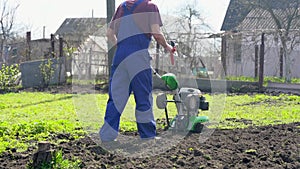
{"type": "Point", "coordinates": [111, 37]}
{"type": "Point", "coordinates": [159, 37]}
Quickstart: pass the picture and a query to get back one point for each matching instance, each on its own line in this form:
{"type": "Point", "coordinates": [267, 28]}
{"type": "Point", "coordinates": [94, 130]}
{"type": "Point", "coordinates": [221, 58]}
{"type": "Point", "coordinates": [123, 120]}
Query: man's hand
{"type": "Point", "coordinates": [159, 37]}
{"type": "Point", "coordinates": [170, 49]}
{"type": "Point", "coordinates": [172, 53]}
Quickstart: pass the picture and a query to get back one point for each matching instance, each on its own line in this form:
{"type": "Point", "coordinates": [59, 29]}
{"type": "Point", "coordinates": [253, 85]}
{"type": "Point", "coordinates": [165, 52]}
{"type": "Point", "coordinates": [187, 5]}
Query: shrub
{"type": "Point", "coordinates": [8, 76]}
{"type": "Point", "coordinates": [47, 72]}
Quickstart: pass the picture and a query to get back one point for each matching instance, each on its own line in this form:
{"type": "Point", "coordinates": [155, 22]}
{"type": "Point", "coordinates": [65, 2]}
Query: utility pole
{"type": "Point", "coordinates": [110, 4]}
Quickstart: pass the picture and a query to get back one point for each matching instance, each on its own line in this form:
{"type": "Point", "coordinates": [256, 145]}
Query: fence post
{"type": "Point", "coordinates": [52, 45]}
{"type": "Point", "coordinates": [261, 62]}
{"type": "Point", "coordinates": [61, 59]}
{"type": "Point", "coordinates": [157, 57]}
{"type": "Point", "coordinates": [223, 54]}
{"type": "Point", "coordinates": [28, 48]}
{"type": "Point", "coordinates": [43, 154]}
{"type": "Point", "coordinates": [110, 4]}
{"type": "Point", "coordinates": [281, 62]}
{"type": "Point", "coordinates": [90, 57]}
{"type": "Point", "coordinates": [61, 47]}
{"type": "Point", "coordinates": [256, 61]}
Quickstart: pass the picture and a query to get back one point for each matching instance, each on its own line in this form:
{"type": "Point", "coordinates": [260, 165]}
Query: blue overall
{"type": "Point", "coordinates": [131, 72]}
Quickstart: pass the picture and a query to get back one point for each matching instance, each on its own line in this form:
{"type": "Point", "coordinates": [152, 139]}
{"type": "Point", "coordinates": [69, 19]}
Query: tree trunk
{"type": "Point", "coordinates": [287, 61]}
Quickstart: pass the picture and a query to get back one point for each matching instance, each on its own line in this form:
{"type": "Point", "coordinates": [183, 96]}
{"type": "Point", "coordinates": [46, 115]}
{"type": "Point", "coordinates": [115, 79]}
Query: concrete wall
{"type": "Point", "coordinates": [211, 85]}
{"type": "Point", "coordinates": [290, 88]}
{"type": "Point", "coordinates": [31, 75]}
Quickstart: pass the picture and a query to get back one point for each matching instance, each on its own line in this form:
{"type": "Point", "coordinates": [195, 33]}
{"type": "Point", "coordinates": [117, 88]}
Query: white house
{"type": "Point", "coordinates": [244, 26]}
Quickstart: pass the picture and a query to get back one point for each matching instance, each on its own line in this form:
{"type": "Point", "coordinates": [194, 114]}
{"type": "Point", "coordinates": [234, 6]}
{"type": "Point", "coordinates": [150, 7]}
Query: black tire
{"type": "Point", "coordinates": [198, 128]}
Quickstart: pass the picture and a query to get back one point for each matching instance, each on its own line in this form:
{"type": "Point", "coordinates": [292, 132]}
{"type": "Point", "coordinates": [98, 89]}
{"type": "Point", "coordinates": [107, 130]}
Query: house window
{"type": "Point", "coordinates": [14, 51]}
{"type": "Point", "coordinates": [237, 50]}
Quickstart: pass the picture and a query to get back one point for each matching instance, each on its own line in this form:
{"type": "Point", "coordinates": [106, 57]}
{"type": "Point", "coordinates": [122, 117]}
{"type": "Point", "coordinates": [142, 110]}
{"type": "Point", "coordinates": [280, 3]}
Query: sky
{"type": "Point", "coordinates": [33, 15]}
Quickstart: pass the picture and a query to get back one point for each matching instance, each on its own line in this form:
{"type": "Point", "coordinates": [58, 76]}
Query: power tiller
{"type": "Point", "coordinates": [188, 101]}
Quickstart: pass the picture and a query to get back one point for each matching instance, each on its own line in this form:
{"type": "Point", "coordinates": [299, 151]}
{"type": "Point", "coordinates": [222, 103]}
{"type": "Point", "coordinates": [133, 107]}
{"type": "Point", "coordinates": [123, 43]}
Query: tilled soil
{"type": "Point", "coordinates": [276, 146]}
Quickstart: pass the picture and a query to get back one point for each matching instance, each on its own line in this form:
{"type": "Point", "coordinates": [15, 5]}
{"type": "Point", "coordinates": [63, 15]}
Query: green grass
{"type": "Point", "coordinates": [243, 110]}
{"type": "Point", "coordinates": [26, 118]}
{"type": "Point", "coordinates": [35, 116]}
{"type": "Point", "coordinates": [266, 79]}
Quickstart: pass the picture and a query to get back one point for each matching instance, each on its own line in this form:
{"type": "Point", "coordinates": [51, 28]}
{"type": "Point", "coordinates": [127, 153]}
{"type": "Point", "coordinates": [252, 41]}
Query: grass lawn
{"type": "Point", "coordinates": [29, 117]}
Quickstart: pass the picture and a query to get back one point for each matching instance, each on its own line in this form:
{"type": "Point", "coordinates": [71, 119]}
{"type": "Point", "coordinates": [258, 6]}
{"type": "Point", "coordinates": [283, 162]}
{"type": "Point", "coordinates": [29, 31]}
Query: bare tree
{"type": "Point", "coordinates": [286, 16]}
{"type": "Point", "coordinates": [7, 19]}
{"type": "Point", "coordinates": [189, 32]}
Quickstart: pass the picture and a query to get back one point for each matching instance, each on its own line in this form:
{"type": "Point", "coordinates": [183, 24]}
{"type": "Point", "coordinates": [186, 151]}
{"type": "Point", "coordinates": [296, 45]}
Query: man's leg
{"type": "Point", "coordinates": [142, 88]}
{"type": "Point", "coordinates": [118, 96]}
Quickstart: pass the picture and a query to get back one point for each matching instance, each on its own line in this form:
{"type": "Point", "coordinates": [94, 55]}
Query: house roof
{"type": "Point", "coordinates": [262, 20]}
{"type": "Point", "coordinates": [100, 41]}
{"type": "Point", "coordinates": [238, 12]}
{"type": "Point", "coordinates": [83, 26]}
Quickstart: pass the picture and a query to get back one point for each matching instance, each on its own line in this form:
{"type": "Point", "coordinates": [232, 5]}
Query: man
{"type": "Point", "coordinates": [131, 29]}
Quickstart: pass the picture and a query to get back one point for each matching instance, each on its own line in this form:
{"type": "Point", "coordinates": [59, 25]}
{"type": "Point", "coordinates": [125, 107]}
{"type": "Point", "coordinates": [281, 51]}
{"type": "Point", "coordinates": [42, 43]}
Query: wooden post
{"type": "Point", "coordinates": [61, 47]}
{"type": "Point", "coordinates": [90, 63]}
{"type": "Point", "coordinates": [281, 62]}
{"type": "Point", "coordinates": [223, 54]}
{"type": "Point", "coordinates": [43, 154]}
{"type": "Point", "coordinates": [256, 61]}
{"type": "Point", "coordinates": [157, 57]}
{"type": "Point", "coordinates": [61, 59]}
{"type": "Point", "coordinates": [28, 48]}
{"type": "Point", "coordinates": [110, 4]}
{"type": "Point", "coordinates": [52, 45]}
{"type": "Point", "coordinates": [261, 62]}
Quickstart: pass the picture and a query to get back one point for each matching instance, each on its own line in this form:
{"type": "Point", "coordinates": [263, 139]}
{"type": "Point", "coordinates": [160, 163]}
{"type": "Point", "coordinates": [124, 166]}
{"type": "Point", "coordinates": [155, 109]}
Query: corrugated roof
{"type": "Point", "coordinates": [259, 19]}
{"type": "Point", "coordinates": [84, 26]}
{"type": "Point", "coordinates": [238, 11]}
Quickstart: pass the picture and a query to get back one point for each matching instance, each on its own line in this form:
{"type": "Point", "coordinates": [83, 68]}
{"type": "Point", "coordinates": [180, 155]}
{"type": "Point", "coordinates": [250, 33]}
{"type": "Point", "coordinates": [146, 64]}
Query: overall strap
{"type": "Point", "coordinates": [130, 11]}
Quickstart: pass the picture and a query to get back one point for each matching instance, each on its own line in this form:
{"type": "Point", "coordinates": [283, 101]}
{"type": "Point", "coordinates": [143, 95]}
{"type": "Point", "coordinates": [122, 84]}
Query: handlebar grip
{"type": "Point", "coordinates": [172, 43]}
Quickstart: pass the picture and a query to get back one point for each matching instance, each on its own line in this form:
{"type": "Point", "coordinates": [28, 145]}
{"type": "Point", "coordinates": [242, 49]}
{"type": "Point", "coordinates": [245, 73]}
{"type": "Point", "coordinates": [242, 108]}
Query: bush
{"type": "Point", "coordinates": [47, 72]}
{"type": "Point", "coordinates": [8, 76]}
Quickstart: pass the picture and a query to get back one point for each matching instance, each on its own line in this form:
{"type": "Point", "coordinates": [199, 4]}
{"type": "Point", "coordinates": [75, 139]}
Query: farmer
{"type": "Point", "coordinates": [131, 29]}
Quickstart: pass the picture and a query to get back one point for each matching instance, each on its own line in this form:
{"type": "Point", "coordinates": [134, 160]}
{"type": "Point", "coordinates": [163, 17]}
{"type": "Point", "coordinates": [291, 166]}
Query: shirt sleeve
{"type": "Point", "coordinates": [155, 17]}
{"type": "Point", "coordinates": [115, 21]}
{"type": "Point", "coordinates": [146, 15]}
